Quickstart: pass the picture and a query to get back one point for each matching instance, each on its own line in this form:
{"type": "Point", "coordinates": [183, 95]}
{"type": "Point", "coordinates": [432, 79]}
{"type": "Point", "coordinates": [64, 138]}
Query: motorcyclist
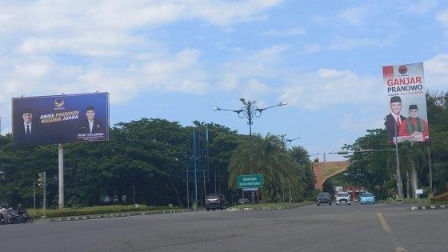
{"type": "Point", "coordinates": [24, 216]}
{"type": "Point", "coordinates": [20, 209]}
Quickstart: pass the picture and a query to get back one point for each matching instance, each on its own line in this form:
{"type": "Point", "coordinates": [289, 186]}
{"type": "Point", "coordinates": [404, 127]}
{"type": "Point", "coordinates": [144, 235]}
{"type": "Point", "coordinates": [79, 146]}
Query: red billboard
{"type": "Point", "coordinates": [60, 119]}
{"type": "Point", "coordinates": [407, 118]}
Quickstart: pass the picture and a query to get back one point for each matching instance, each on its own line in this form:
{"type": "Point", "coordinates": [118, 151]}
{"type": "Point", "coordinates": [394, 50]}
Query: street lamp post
{"type": "Point", "coordinates": [289, 140]}
{"type": "Point", "coordinates": [250, 111]}
{"type": "Point", "coordinates": [284, 147]}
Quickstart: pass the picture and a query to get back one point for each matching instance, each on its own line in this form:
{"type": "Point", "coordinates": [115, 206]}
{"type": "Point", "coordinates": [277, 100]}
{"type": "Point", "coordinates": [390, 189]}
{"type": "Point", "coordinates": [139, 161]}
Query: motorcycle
{"type": "Point", "coordinates": [2, 219]}
{"type": "Point", "coordinates": [26, 218]}
{"type": "Point", "coordinates": [11, 216]}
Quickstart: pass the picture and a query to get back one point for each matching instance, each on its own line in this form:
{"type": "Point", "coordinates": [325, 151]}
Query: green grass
{"type": "Point", "coordinates": [96, 210]}
{"type": "Point", "coordinates": [422, 201]}
{"type": "Point", "coordinates": [101, 210]}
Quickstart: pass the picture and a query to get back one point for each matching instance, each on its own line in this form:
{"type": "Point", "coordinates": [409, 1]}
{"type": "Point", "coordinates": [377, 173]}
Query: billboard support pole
{"type": "Point", "coordinates": [399, 181]}
{"type": "Point", "coordinates": [44, 205]}
{"type": "Point", "coordinates": [430, 174]}
{"type": "Point", "coordinates": [61, 175]}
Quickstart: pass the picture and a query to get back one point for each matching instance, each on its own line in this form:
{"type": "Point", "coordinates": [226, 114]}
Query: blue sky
{"type": "Point", "coordinates": [177, 60]}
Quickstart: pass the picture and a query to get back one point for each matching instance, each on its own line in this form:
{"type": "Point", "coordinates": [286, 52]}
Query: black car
{"type": "Point", "coordinates": [215, 201]}
{"type": "Point", "coordinates": [323, 198]}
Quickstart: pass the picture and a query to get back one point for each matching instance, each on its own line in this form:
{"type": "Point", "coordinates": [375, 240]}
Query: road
{"type": "Point", "coordinates": [380, 227]}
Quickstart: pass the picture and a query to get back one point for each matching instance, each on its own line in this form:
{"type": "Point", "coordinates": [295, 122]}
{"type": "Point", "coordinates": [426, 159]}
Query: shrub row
{"type": "Point", "coordinates": [442, 198]}
{"type": "Point", "coordinates": [95, 210]}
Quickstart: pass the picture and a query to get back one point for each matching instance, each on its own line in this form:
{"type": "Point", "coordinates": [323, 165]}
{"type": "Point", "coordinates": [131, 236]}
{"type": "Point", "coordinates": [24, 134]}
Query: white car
{"type": "Point", "coordinates": [343, 198]}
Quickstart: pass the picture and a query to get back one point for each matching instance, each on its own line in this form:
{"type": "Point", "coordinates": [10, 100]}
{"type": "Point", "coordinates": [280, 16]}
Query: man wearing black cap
{"type": "Point", "coordinates": [91, 125]}
{"type": "Point", "coordinates": [394, 119]}
{"type": "Point", "coordinates": [414, 126]}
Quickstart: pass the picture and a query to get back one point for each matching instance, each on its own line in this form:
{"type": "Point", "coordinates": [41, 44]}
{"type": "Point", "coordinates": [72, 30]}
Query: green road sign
{"type": "Point", "coordinates": [250, 181]}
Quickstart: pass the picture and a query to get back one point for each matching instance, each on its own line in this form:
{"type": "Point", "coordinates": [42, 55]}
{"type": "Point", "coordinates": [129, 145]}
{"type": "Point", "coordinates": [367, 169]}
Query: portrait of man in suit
{"type": "Point", "coordinates": [27, 132]}
{"type": "Point", "coordinates": [394, 119]}
{"type": "Point", "coordinates": [91, 125]}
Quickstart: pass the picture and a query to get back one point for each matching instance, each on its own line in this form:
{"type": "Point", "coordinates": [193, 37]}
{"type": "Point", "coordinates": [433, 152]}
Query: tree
{"type": "Point", "coordinates": [369, 160]}
{"type": "Point", "coordinates": [368, 167]}
{"type": "Point", "coordinates": [306, 176]}
{"type": "Point", "coordinates": [413, 158]}
{"type": "Point", "coordinates": [270, 159]}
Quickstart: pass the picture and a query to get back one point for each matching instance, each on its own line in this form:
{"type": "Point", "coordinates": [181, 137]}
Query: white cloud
{"type": "Point", "coordinates": [436, 72]}
{"type": "Point", "coordinates": [442, 17]}
{"type": "Point", "coordinates": [228, 82]}
{"type": "Point", "coordinates": [355, 16]}
{"type": "Point", "coordinates": [92, 44]}
{"type": "Point", "coordinates": [224, 13]}
{"type": "Point", "coordinates": [104, 48]}
{"type": "Point", "coordinates": [308, 49]}
{"type": "Point", "coordinates": [346, 43]}
{"type": "Point", "coordinates": [285, 33]}
{"type": "Point", "coordinates": [328, 87]}
{"type": "Point", "coordinates": [331, 73]}
{"type": "Point", "coordinates": [33, 67]}
{"type": "Point", "coordinates": [180, 72]}
{"type": "Point", "coordinates": [107, 27]}
{"type": "Point", "coordinates": [263, 63]}
{"type": "Point", "coordinates": [422, 6]}
{"type": "Point", "coordinates": [254, 88]}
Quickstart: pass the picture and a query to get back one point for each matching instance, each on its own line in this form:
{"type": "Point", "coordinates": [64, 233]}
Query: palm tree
{"type": "Point", "coordinates": [414, 159]}
{"type": "Point", "coordinates": [264, 156]}
{"type": "Point", "coordinates": [306, 177]}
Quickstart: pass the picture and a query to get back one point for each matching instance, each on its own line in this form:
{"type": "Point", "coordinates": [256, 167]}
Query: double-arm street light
{"type": "Point", "coordinates": [249, 111]}
{"type": "Point", "coordinates": [289, 140]}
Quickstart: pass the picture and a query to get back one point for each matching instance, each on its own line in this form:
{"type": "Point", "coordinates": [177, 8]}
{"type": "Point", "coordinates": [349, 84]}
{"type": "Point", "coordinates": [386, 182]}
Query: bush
{"type": "Point", "coordinates": [96, 210]}
{"type": "Point", "coordinates": [440, 198]}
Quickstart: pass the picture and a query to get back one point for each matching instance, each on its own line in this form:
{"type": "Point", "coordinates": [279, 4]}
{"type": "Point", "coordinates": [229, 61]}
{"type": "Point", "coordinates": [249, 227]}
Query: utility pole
{"type": "Point", "coordinates": [42, 183]}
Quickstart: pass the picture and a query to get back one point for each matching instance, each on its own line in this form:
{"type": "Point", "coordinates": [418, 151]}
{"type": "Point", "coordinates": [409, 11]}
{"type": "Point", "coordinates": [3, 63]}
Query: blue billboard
{"type": "Point", "coordinates": [60, 119]}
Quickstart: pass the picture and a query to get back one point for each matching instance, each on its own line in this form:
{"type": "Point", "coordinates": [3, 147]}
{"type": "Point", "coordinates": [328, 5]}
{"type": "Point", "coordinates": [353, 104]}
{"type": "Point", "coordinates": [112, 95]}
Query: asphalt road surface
{"type": "Point", "coordinates": [376, 228]}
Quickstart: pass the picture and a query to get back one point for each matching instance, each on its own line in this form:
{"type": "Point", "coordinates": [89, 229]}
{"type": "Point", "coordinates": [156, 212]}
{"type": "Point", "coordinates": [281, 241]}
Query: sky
{"type": "Point", "coordinates": [178, 59]}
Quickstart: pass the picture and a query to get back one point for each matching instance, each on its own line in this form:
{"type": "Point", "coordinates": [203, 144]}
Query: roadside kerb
{"type": "Point", "coordinates": [110, 215]}
{"type": "Point", "coordinates": [424, 207]}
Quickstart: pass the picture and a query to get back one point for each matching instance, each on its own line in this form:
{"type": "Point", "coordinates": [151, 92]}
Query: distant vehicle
{"type": "Point", "coordinates": [215, 201]}
{"type": "Point", "coordinates": [323, 198]}
{"type": "Point", "coordinates": [367, 198]}
{"type": "Point", "coordinates": [243, 201]}
{"type": "Point", "coordinates": [343, 198]}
